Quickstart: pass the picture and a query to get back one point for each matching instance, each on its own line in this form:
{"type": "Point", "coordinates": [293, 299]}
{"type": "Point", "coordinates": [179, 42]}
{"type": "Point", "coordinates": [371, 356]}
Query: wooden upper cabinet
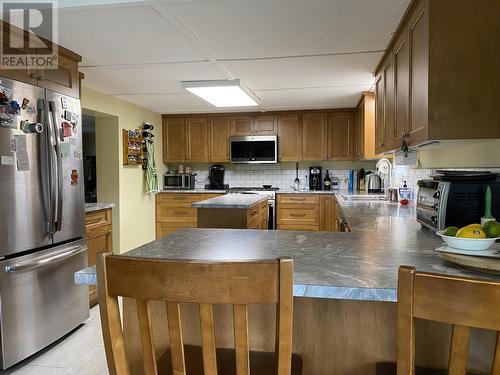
{"type": "Point", "coordinates": [314, 136]}
{"type": "Point", "coordinates": [218, 148]}
{"type": "Point", "coordinates": [174, 139]}
{"type": "Point", "coordinates": [402, 85]}
{"type": "Point", "coordinates": [340, 136]}
{"type": "Point", "coordinates": [64, 79]}
{"type": "Point", "coordinates": [364, 128]}
{"type": "Point", "coordinates": [197, 139]}
{"type": "Point", "coordinates": [389, 104]}
{"type": "Point", "coordinates": [289, 137]}
{"type": "Point", "coordinates": [359, 136]}
{"type": "Point", "coordinates": [418, 36]}
{"type": "Point", "coordinates": [242, 125]}
{"type": "Point", "coordinates": [266, 125]}
{"type": "Point", "coordinates": [379, 113]}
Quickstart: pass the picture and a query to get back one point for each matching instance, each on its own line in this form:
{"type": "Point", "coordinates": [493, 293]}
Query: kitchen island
{"type": "Point", "coordinates": [236, 211]}
{"type": "Point", "coordinates": [344, 286]}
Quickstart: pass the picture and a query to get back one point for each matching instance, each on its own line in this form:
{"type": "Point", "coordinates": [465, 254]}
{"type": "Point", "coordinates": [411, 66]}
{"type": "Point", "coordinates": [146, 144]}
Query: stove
{"type": "Point", "coordinates": [271, 199]}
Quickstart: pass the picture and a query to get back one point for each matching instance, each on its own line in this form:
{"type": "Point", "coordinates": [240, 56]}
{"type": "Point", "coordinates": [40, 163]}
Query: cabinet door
{"type": "Point", "coordinates": [219, 140]}
{"type": "Point", "coordinates": [418, 36]}
{"type": "Point", "coordinates": [359, 133]}
{"type": "Point", "coordinates": [389, 103]}
{"type": "Point", "coordinates": [266, 125]}
{"type": "Point", "coordinates": [340, 136]}
{"type": "Point", "coordinates": [402, 84]}
{"type": "Point", "coordinates": [242, 125]}
{"type": "Point", "coordinates": [290, 137]}
{"type": "Point", "coordinates": [174, 140]}
{"type": "Point", "coordinates": [329, 220]}
{"type": "Point", "coordinates": [197, 139]}
{"type": "Point", "coordinates": [379, 114]}
{"type": "Point", "coordinates": [314, 136]}
{"type": "Point", "coordinates": [64, 79]}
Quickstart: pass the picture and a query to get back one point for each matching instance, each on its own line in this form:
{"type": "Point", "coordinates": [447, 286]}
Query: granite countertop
{"type": "Point", "coordinates": [193, 191]}
{"type": "Point", "coordinates": [91, 207]}
{"type": "Point", "coordinates": [360, 265]}
{"type": "Point", "coordinates": [234, 201]}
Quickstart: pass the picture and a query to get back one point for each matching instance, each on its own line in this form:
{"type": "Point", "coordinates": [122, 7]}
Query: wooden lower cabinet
{"type": "Point", "coordinates": [313, 212]}
{"type": "Point", "coordinates": [255, 217]}
{"type": "Point", "coordinates": [174, 211]}
{"type": "Point", "coordinates": [98, 227]}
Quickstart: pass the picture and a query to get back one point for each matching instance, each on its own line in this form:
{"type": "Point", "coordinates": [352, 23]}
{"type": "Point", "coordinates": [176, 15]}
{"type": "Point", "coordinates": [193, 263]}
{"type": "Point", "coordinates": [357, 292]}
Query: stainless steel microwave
{"type": "Point", "coordinates": [177, 181]}
{"type": "Point", "coordinates": [259, 149]}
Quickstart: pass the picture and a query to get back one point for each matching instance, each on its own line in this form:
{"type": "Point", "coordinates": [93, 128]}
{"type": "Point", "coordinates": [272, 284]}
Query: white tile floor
{"type": "Point", "coordinates": [79, 353]}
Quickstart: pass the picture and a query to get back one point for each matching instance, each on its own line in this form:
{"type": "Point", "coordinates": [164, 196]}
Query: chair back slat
{"type": "Point", "coordinates": [462, 302]}
{"type": "Point", "coordinates": [459, 350]}
{"type": "Point", "coordinates": [208, 339]}
{"type": "Point", "coordinates": [495, 368]}
{"type": "Point", "coordinates": [240, 318]}
{"type": "Point", "coordinates": [176, 340]}
{"type": "Point", "coordinates": [194, 282]}
{"type": "Point", "coordinates": [112, 333]}
{"type": "Point", "coordinates": [284, 323]}
{"type": "Point", "coordinates": [441, 298]}
{"type": "Point", "coordinates": [204, 283]}
{"type": "Point", "coordinates": [148, 351]}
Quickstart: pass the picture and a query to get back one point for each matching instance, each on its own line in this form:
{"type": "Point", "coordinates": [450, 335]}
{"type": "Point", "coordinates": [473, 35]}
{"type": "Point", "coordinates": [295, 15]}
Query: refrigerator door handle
{"type": "Point", "coordinates": [60, 186]}
{"type": "Point", "coordinates": [18, 267]}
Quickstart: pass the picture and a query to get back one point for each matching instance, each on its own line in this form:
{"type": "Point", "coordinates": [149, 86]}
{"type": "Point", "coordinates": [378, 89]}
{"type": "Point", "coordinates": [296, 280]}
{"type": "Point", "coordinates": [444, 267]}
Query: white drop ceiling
{"type": "Point", "coordinates": [290, 53]}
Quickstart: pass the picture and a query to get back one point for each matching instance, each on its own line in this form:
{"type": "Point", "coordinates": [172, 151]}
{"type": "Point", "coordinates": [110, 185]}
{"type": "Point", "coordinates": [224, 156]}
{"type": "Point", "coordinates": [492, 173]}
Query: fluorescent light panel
{"type": "Point", "coordinates": [221, 93]}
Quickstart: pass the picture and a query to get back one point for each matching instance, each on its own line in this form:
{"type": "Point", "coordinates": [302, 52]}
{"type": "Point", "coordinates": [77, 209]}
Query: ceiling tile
{"type": "Point", "coordinates": [263, 28]}
{"type": "Point", "coordinates": [339, 70]}
{"type": "Point", "coordinates": [148, 79]}
{"type": "Point", "coordinates": [123, 35]}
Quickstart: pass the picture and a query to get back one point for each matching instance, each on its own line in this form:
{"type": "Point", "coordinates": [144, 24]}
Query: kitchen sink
{"type": "Point", "coordinates": [364, 197]}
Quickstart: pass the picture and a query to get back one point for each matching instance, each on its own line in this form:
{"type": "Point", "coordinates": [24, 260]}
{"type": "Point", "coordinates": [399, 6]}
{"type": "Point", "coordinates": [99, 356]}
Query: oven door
{"type": "Point", "coordinates": [39, 301]}
{"type": "Point", "coordinates": [272, 214]}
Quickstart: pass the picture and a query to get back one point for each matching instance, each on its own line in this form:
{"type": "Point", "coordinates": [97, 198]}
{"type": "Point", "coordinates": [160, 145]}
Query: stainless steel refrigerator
{"type": "Point", "coordinates": [42, 223]}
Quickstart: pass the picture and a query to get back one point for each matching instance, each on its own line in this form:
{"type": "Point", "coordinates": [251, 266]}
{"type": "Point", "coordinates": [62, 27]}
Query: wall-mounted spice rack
{"type": "Point", "coordinates": [132, 147]}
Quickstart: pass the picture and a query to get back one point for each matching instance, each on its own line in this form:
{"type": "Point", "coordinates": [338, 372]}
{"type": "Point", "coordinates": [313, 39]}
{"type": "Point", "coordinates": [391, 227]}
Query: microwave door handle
{"type": "Point", "coordinates": [58, 217]}
{"type": "Point", "coordinates": [18, 267]}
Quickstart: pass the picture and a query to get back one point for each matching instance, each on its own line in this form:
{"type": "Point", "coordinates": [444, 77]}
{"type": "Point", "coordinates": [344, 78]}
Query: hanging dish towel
{"type": "Point", "coordinates": [151, 171]}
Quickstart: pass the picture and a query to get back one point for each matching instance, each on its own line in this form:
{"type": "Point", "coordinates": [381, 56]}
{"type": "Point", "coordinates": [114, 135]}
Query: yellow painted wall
{"type": "Point", "coordinates": [134, 219]}
{"type": "Point", "coordinates": [462, 154]}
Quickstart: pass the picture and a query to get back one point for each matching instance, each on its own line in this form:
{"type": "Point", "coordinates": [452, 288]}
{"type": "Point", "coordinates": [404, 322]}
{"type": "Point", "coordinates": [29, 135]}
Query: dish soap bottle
{"type": "Point", "coordinates": [327, 183]}
{"type": "Point", "coordinates": [404, 192]}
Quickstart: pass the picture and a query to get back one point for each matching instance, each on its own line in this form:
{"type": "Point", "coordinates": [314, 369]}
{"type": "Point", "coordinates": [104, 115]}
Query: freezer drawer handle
{"type": "Point", "coordinates": [42, 262]}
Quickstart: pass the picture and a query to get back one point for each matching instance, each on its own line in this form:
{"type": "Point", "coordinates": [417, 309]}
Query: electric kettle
{"type": "Point", "coordinates": [374, 184]}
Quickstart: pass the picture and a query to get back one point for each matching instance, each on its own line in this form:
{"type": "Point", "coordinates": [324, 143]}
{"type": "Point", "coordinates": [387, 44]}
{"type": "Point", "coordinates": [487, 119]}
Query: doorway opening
{"type": "Point", "coordinates": [89, 158]}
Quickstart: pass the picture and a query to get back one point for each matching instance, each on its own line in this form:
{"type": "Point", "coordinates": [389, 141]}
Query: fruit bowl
{"type": "Point", "coordinates": [471, 244]}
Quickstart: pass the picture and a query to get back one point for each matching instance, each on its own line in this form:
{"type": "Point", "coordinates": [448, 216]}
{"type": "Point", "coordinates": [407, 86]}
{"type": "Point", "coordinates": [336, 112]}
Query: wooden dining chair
{"type": "Point", "coordinates": [462, 302]}
{"type": "Point", "coordinates": [237, 283]}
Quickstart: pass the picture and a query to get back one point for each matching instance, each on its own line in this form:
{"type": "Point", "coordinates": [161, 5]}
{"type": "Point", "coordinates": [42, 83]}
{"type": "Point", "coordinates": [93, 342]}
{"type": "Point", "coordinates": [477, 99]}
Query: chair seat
{"type": "Point", "coordinates": [261, 363]}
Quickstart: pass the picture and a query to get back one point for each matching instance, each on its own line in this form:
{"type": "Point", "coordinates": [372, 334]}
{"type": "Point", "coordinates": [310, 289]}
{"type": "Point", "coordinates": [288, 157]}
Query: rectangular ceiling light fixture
{"type": "Point", "coordinates": [223, 93]}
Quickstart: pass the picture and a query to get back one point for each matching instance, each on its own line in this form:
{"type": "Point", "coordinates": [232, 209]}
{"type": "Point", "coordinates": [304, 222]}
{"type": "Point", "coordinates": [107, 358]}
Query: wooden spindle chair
{"type": "Point", "coordinates": [204, 283]}
{"type": "Point", "coordinates": [465, 303]}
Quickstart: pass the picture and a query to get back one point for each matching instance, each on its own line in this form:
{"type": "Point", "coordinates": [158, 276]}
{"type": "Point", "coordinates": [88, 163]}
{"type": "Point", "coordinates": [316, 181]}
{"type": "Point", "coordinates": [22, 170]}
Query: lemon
{"type": "Point", "coordinates": [477, 226]}
{"type": "Point", "coordinates": [471, 232]}
{"type": "Point", "coordinates": [451, 231]}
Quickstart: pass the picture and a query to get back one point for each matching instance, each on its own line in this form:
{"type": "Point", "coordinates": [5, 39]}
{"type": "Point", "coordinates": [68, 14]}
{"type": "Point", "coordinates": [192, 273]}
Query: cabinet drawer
{"type": "Point", "coordinates": [166, 212]}
{"type": "Point", "coordinates": [210, 195]}
{"type": "Point", "coordinates": [164, 229]}
{"type": "Point", "coordinates": [97, 218]}
{"type": "Point", "coordinates": [298, 215]}
{"type": "Point", "coordinates": [254, 223]}
{"type": "Point", "coordinates": [253, 212]}
{"type": "Point", "coordinates": [314, 228]}
{"type": "Point", "coordinates": [97, 231]}
{"type": "Point", "coordinates": [179, 197]}
{"type": "Point", "coordinates": [298, 198]}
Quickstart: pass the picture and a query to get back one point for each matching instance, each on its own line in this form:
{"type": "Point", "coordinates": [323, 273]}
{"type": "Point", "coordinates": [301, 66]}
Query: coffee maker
{"type": "Point", "coordinates": [315, 180]}
{"type": "Point", "coordinates": [216, 178]}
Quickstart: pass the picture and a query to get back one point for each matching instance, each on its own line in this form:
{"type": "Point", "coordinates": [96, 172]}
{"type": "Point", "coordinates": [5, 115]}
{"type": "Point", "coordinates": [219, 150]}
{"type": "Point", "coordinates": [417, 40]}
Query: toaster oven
{"type": "Point", "coordinates": [441, 204]}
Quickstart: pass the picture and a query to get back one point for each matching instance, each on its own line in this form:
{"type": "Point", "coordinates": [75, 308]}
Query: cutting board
{"type": "Point", "coordinates": [480, 264]}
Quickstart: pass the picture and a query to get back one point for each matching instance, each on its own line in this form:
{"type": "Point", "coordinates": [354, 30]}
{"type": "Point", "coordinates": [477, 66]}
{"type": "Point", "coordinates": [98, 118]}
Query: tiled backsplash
{"type": "Point", "coordinates": [279, 175]}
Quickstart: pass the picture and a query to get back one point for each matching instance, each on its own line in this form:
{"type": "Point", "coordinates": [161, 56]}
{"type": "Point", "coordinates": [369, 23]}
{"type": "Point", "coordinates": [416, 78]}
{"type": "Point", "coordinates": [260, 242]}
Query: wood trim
{"type": "Point", "coordinates": [244, 114]}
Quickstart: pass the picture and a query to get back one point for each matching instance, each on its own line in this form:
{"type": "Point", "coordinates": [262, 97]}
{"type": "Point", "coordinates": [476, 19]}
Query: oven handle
{"type": "Point", "coordinates": [18, 267]}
